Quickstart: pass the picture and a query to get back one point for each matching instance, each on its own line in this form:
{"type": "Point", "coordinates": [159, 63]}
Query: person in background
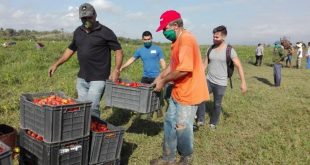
{"type": "Point", "coordinates": [299, 55]}
{"type": "Point", "coordinates": [278, 58]}
{"type": "Point", "coordinates": [308, 56]}
{"type": "Point", "coordinates": [151, 55]}
{"type": "Point", "coordinates": [259, 53]}
{"type": "Point", "coordinates": [93, 43]}
{"type": "Point", "coordinates": [290, 52]}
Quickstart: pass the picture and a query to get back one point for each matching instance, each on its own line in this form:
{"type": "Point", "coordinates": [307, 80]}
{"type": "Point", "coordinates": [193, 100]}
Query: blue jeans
{"type": "Point", "coordinates": [90, 91]}
{"type": "Point", "coordinates": [178, 130]}
{"type": "Point", "coordinates": [308, 63]}
{"type": "Point", "coordinates": [277, 74]}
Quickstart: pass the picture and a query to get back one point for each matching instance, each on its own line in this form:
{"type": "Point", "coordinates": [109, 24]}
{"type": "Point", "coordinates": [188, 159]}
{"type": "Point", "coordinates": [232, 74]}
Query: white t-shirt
{"type": "Point", "coordinates": [299, 53]}
{"type": "Point", "coordinates": [309, 52]}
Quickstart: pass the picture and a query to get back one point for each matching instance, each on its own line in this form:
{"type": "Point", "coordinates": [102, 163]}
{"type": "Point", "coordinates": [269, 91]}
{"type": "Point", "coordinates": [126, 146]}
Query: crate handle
{"type": "Point", "coordinates": [70, 147]}
{"type": "Point", "coordinates": [110, 136]}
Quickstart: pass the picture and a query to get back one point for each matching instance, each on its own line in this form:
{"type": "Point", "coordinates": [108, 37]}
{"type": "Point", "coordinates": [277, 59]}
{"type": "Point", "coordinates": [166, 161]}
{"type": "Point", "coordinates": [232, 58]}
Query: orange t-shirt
{"type": "Point", "coordinates": [185, 56]}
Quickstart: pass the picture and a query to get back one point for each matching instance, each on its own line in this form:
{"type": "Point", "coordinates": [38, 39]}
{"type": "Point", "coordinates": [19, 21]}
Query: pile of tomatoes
{"type": "Point", "coordinates": [1, 149]}
{"type": "Point", "coordinates": [53, 100]}
{"type": "Point", "coordinates": [131, 84]}
{"type": "Point", "coordinates": [98, 127]}
{"type": "Point", "coordinates": [34, 135]}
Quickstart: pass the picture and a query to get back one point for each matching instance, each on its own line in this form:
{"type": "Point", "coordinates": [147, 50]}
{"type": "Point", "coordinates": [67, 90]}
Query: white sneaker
{"type": "Point", "coordinates": [200, 123]}
{"type": "Point", "coordinates": [212, 126]}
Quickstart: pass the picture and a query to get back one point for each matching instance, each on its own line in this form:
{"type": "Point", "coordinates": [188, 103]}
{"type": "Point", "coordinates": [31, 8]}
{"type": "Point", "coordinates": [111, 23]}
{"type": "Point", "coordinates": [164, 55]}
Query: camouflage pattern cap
{"type": "Point", "coordinates": [87, 10]}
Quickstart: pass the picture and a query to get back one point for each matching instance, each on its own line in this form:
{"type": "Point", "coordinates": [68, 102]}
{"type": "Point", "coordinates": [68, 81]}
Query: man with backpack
{"type": "Point", "coordinates": [220, 61]}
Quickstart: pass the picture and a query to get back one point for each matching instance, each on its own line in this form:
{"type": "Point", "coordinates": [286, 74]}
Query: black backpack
{"type": "Point", "coordinates": [229, 62]}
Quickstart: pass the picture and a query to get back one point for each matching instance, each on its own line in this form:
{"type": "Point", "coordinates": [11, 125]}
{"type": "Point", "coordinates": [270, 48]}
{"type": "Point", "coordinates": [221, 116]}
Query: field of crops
{"type": "Point", "coordinates": [266, 126]}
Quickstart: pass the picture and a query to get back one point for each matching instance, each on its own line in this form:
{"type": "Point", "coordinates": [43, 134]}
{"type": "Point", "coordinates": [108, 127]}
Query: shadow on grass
{"type": "Point", "coordinates": [143, 126]}
{"type": "Point", "coordinates": [225, 114]}
{"type": "Point", "coordinates": [263, 80]}
{"type": "Point", "coordinates": [251, 62]}
{"type": "Point", "coordinates": [127, 150]}
{"type": "Point", "coordinates": [119, 117]}
{"type": "Point", "coordinates": [269, 64]}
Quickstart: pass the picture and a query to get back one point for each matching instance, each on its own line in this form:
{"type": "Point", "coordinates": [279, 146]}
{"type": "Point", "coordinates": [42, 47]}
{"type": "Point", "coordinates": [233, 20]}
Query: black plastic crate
{"type": "Point", "coordinates": [139, 99]}
{"type": "Point", "coordinates": [106, 146]}
{"type": "Point", "coordinates": [34, 152]}
{"type": "Point", "coordinates": [55, 123]}
{"type": "Point", "coordinates": [5, 154]}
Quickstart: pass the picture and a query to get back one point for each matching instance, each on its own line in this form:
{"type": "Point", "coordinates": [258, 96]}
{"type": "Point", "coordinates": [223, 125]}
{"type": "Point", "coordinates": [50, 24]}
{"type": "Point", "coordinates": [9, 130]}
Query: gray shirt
{"type": "Point", "coordinates": [217, 67]}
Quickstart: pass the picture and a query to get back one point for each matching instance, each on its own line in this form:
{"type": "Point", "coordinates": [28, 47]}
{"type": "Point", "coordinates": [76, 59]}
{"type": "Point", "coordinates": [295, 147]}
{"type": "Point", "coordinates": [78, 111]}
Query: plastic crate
{"type": "Point", "coordinates": [106, 146]}
{"type": "Point", "coordinates": [34, 152]}
{"type": "Point", "coordinates": [5, 154]}
{"type": "Point", "coordinates": [55, 123]}
{"type": "Point", "coordinates": [114, 162]}
{"type": "Point", "coordinates": [140, 99]}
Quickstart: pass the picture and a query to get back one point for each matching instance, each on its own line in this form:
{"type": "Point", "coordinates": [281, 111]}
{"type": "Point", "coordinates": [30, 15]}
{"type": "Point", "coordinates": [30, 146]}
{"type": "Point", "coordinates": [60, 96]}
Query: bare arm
{"type": "Point", "coordinates": [162, 75]}
{"type": "Point", "coordinates": [237, 63]}
{"type": "Point", "coordinates": [118, 63]}
{"type": "Point", "coordinates": [205, 63]}
{"type": "Point", "coordinates": [127, 63]}
{"type": "Point", "coordinates": [163, 63]}
{"type": "Point", "coordinates": [167, 77]}
{"type": "Point", "coordinates": [65, 57]}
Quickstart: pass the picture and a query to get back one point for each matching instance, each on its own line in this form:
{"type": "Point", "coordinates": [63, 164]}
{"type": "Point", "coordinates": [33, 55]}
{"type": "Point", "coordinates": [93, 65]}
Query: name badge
{"type": "Point", "coordinates": [153, 51]}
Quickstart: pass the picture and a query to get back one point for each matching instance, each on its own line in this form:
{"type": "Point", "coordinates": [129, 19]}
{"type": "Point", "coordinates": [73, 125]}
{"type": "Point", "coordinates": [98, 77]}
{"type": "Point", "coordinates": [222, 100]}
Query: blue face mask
{"type": "Point", "coordinates": [148, 44]}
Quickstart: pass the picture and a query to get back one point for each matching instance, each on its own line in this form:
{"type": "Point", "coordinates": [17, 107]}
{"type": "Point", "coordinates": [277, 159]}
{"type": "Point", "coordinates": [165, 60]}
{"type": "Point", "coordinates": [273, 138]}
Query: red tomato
{"type": "Point", "coordinates": [34, 135]}
{"type": "Point", "coordinates": [28, 132]}
{"type": "Point", "coordinates": [39, 138]}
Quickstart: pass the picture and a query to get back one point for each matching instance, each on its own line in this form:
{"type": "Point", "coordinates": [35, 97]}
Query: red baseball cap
{"type": "Point", "coordinates": [167, 17]}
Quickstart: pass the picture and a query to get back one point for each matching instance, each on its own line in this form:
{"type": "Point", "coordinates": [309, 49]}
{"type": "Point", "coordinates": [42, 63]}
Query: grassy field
{"type": "Point", "coordinates": [266, 126]}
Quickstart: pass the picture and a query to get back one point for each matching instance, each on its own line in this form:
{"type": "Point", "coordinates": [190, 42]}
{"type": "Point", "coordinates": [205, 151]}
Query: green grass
{"type": "Point", "coordinates": [266, 126]}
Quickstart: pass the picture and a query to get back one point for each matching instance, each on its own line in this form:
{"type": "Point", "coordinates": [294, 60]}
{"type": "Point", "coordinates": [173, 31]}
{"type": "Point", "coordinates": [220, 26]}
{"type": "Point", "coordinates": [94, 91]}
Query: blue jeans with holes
{"type": "Point", "coordinates": [90, 91]}
{"type": "Point", "coordinates": [178, 130]}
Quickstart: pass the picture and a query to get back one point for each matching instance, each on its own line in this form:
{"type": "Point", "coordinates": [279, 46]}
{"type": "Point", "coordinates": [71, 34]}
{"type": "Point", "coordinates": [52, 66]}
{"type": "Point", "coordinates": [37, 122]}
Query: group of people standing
{"type": "Point", "coordinates": [283, 49]}
{"type": "Point", "coordinates": [289, 52]}
{"type": "Point", "coordinates": [93, 43]}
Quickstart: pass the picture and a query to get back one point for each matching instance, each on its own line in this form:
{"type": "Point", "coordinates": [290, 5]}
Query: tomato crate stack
{"type": "Point", "coordinates": [132, 96]}
{"type": "Point", "coordinates": [54, 130]}
{"type": "Point", "coordinates": [106, 143]}
{"type": "Point", "coordinates": [5, 154]}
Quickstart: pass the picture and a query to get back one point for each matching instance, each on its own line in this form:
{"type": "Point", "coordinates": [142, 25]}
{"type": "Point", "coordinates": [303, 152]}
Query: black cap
{"type": "Point", "coordinates": [87, 10]}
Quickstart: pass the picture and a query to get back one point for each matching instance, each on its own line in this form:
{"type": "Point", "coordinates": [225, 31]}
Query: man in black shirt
{"type": "Point", "coordinates": [93, 43]}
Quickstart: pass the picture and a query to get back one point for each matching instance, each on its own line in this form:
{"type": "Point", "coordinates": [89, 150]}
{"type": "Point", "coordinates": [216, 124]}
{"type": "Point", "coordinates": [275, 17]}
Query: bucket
{"type": "Point", "coordinates": [8, 135]}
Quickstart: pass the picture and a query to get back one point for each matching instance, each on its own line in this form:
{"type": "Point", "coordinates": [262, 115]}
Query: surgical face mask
{"type": "Point", "coordinates": [148, 44]}
{"type": "Point", "coordinates": [170, 35]}
{"type": "Point", "coordinates": [87, 23]}
{"type": "Point", "coordinates": [217, 42]}
{"type": "Point", "coordinates": [218, 39]}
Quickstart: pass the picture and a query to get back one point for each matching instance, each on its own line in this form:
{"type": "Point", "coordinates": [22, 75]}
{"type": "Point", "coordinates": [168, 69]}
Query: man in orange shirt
{"type": "Point", "coordinates": [190, 89]}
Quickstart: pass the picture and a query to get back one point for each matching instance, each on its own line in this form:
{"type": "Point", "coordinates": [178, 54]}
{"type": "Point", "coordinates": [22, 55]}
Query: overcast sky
{"type": "Point", "coordinates": [248, 21]}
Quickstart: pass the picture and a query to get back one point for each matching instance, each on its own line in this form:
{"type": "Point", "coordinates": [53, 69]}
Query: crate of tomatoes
{"type": "Point", "coordinates": [55, 116]}
{"type": "Point", "coordinates": [106, 142]}
{"type": "Point", "coordinates": [36, 152]}
{"type": "Point", "coordinates": [5, 154]}
{"type": "Point", "coordinates": [132, 96]}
